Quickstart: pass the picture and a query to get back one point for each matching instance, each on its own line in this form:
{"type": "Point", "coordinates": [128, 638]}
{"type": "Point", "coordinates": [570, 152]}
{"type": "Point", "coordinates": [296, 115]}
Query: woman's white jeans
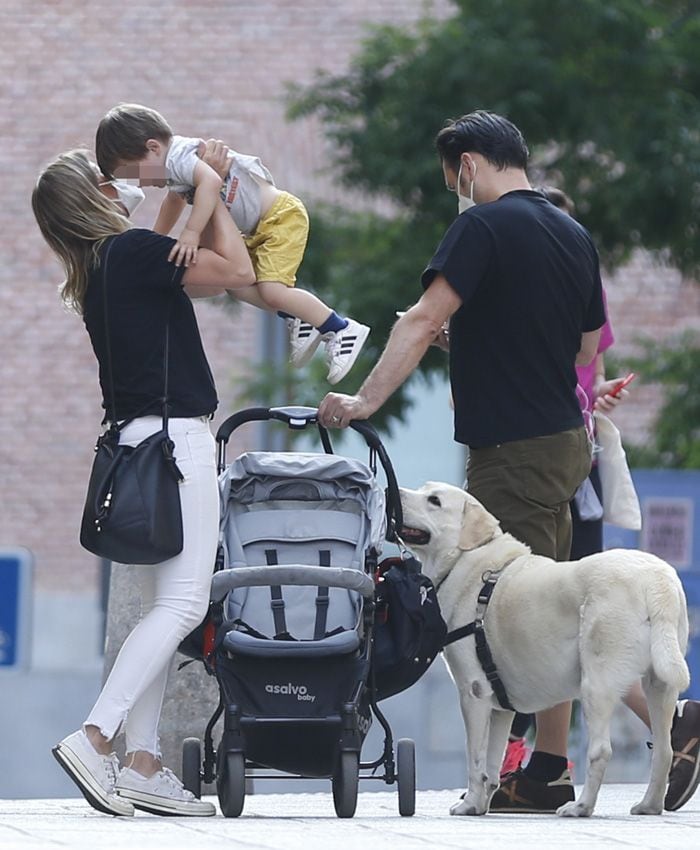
{"type": "Point", "coordinates": [174, 593]}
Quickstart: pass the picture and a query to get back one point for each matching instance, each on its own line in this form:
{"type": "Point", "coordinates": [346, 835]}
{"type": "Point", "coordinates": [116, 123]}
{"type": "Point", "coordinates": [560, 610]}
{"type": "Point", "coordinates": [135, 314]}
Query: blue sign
{"type": "Point", "coordinates": [15, 600]}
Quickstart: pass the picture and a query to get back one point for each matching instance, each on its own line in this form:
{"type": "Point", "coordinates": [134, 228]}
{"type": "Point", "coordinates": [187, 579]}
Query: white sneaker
{"type": "Point", "coordinates": [303, 341]}
{"type": "Point", "coordinates": [342, 349]}
{"type": "Point", "coordinates": [93, 773]}
{"type": "Point", "coordinates": [161, 794]}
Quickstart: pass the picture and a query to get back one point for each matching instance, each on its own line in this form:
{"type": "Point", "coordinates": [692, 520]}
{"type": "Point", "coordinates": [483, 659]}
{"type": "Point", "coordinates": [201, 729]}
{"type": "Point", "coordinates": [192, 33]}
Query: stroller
{"type": "Point", "coordinates": [292, 611]}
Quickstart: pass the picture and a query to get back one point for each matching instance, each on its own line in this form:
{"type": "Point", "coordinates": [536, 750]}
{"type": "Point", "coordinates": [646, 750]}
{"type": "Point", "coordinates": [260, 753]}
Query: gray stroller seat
{"type": "Point", "coordinates": [295, 529]}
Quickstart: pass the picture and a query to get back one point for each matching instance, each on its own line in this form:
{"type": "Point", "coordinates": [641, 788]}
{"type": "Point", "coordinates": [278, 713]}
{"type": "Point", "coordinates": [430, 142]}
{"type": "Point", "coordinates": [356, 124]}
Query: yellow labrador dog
{"type": "Point", "coordinates": [584, 629]}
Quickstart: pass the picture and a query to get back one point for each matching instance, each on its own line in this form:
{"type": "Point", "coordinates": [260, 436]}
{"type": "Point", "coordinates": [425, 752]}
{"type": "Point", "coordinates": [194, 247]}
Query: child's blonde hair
{"type": "Point", "coordinates": [123, 132]}
{"type": "Point", "coordinates": [74, 218]}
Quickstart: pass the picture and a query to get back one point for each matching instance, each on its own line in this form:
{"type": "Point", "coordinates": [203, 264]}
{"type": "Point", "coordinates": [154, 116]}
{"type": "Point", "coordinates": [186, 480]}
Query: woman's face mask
{"type": "Point", "coordinates": [129, 196]}
{"type": "Point", "coordinates": [465, 202]}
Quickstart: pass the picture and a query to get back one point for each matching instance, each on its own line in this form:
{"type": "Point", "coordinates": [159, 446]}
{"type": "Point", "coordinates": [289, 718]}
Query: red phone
{"type": "Point", "coordinates": [619, 387]}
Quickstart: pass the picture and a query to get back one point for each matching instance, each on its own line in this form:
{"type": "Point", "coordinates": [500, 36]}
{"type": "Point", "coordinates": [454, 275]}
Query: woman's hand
{"type": "Point", "coordinates": [216, 155]}
{"type": "Point", "coordinates": [184, 251]}
{"type": "Point", "coordinates": [605, 401]}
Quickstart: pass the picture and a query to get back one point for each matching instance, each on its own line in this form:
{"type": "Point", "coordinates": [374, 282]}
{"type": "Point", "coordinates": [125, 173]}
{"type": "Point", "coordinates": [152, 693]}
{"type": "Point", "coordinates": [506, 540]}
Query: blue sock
{"type": "Point", "coordinates": [333, 324]}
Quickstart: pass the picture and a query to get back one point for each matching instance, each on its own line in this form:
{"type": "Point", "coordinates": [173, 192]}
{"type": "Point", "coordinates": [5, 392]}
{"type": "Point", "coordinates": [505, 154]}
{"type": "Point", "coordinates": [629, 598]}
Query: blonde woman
{"type": "Point", "coordinates": [80, 216]}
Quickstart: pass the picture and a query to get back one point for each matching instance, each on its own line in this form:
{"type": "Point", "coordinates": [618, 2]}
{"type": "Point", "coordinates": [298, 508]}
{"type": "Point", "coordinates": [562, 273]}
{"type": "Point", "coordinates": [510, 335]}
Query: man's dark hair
{"type": "Point", "coordinates": [496, 138]}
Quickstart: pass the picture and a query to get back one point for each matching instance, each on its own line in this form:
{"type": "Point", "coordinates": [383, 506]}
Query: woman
{"type": "Point", "coordinates": [80, 217]}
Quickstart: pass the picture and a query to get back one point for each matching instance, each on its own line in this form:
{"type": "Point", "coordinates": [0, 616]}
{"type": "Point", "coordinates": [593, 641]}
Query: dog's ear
{"type": "Point", "coordinates": [478, 526]}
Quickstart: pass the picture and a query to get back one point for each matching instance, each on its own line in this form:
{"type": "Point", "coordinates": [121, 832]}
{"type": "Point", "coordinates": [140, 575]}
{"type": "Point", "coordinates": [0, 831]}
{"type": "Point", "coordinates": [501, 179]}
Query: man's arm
{"type": "Point", "coordinates": [589, 347]}
{"type": "Point", "coordinates": [410, 338]}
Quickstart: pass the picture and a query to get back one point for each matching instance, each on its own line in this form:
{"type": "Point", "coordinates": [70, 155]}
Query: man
{"type": "Point", "coordinates": [519, 283]}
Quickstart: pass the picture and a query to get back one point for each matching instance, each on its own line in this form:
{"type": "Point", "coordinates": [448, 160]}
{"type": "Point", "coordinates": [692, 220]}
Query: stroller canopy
{"type": "Point", "coordinates": [330, 480]}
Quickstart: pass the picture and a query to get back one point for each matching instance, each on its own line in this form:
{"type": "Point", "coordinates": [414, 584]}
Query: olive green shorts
{"type": "Point", "coordinates": [528, 484]}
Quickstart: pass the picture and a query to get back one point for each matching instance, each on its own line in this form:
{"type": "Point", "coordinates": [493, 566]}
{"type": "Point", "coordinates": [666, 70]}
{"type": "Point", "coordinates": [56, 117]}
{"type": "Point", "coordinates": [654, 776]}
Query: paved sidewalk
{"type": "Point", "coordinates": [308, 822]}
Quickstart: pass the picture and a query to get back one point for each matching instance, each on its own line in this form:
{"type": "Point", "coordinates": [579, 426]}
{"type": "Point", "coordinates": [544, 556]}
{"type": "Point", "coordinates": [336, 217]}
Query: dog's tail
{"type": "Point", "coordinates": [668, 614]}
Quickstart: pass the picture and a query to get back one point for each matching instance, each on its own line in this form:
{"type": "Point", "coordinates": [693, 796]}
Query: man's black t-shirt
{"type": "Point", "coordinates": [529, 280]}
{"type": "Point", "coordinates": [143, 289]}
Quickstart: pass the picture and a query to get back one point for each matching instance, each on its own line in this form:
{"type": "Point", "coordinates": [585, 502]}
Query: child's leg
{"type": "Point", "coordinates": [295, 302]}
{"type": "Point", "coordinates": [277, 248]}
{"type": "Point", "coordinates": [315, 322]}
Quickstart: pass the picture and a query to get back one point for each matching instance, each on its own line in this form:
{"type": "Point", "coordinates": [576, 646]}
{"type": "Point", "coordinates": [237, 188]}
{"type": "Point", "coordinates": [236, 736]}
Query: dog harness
{"type": "Point", "coordinates": [476, 628]}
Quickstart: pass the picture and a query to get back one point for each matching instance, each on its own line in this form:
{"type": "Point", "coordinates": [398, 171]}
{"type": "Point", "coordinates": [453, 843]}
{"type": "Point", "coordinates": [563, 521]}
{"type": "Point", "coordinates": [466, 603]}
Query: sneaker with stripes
{"type": "Point", "coordinates": [342, 349]}
{"type": "Point", "coordinates": [303, 340]}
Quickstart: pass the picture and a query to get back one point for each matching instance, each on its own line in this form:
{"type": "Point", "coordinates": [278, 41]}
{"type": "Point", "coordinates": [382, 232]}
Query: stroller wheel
{"type": "Point", "coordinates": [230, 784]}
{"type": "Point", "coordinates": [345, 781]}
{"type": "Point", "coordinates": [406, 776]}
{"type": "Point", "coordinates": [192, 766]}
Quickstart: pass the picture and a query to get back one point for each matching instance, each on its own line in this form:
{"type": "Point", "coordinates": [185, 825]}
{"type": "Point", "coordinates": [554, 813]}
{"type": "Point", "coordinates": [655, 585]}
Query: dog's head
{"type": "Point", "coordinates": [441, 521]}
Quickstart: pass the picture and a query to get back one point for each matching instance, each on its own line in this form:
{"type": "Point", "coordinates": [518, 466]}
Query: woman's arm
{"type": "Point", "coordinates": [226, 265]}
{"type": "Point", "coordinates": [169, 213]}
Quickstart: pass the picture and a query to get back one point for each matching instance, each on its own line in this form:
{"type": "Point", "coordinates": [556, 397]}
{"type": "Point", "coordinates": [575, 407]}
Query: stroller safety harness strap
{"type": "Point", "coordinates": [277, 602]}
{"type": "Point", "coordinates": [322, 598]}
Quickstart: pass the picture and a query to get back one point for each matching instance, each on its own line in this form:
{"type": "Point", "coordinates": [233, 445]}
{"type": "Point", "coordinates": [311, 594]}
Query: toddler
{"type": "Point", "coordinates": [135, 142]}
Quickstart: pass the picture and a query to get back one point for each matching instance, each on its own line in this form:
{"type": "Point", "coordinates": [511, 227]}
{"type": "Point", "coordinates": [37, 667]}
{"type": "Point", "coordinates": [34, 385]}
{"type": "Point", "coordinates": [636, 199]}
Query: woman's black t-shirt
{"type": "Point", "coordinates": [143, 290]}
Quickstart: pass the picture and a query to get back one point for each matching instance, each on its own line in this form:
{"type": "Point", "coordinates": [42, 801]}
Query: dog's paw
{"type": "Point", "coordinates": [467, 806]}
{"type": "Point", "coordinates": [646, 809]}
{"type": "Point", "coordinates": [574, 809]}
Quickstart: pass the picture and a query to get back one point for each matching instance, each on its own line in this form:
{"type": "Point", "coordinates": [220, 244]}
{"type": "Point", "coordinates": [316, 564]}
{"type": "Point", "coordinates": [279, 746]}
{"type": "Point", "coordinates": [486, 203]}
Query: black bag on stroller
{"type": "Point", "coordinates": [409, 630]}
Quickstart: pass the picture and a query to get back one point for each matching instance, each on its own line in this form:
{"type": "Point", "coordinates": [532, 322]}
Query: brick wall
{"type": "Point", "coordinates": [212, 68]}
{"type": "Point", "coordinates": [647, 299]}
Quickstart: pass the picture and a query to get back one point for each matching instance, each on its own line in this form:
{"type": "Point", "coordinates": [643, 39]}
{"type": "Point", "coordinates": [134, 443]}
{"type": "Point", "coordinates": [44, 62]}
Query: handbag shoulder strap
{"type": "Point", "coordinates": [110, 373]}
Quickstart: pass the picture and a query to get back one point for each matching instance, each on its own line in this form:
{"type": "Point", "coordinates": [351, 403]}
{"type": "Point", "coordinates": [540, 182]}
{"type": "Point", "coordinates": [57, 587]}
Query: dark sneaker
{"type": "Point", "coordinates": [684, 776]}
{"type": "Point", "coordinates": [518, 794]}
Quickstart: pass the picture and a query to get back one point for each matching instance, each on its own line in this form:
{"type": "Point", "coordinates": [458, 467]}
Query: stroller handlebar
{"type": "Point", "coordinates": [284, 574]}
{"type": "Point", "coordinates": [297, 418]}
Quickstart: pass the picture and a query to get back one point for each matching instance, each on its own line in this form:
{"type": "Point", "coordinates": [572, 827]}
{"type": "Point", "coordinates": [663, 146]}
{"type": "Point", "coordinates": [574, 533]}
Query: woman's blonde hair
{"type": "Point", "coordinates": [74, 218]}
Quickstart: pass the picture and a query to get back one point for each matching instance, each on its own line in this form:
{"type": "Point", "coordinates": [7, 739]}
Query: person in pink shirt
{"type": "Point", "coordinates": [594, 394]}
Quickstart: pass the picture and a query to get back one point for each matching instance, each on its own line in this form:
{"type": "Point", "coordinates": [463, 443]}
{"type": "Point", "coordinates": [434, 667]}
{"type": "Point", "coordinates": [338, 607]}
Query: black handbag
{"type": "Point", "coordinates": [132, 511]}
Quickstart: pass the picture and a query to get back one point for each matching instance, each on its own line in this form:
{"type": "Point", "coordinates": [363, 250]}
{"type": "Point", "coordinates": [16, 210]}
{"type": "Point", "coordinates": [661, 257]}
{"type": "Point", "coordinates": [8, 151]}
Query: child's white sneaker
{"type": "Point", "coordinates": [92, 772]}
{"type": "Point", "coordinates": [342, 349]}
{"type": "Point", "coordinates": [161, 794]}
{"type": "Point", "coordinates": [303, 340]}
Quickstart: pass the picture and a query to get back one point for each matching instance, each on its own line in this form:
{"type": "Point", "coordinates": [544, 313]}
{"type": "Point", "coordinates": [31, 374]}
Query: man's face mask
{"type": "Point", "coordinates": [464, 202]}
{"type": "Point", "coordinates": [129, 196]}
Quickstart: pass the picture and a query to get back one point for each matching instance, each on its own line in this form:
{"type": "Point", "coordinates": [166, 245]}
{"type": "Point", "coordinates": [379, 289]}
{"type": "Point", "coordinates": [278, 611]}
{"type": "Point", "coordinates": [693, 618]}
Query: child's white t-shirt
{"type": "Point", "coordinates": [241, 189]}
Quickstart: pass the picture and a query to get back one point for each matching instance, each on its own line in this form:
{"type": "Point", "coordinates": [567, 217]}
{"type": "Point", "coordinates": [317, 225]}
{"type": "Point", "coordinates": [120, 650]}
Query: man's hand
{"type": "Point", "coordinates": [338, 410]}
{"type": "Point", "coordinates": [216, 155]}
{"type": "Point", "coordinates": [442, 340]}
{"type": "Point", "coordinates": [184, 251]}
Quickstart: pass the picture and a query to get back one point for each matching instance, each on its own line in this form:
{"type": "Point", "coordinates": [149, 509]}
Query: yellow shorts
{"type": "Point", "coordinates": [277, 246]}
